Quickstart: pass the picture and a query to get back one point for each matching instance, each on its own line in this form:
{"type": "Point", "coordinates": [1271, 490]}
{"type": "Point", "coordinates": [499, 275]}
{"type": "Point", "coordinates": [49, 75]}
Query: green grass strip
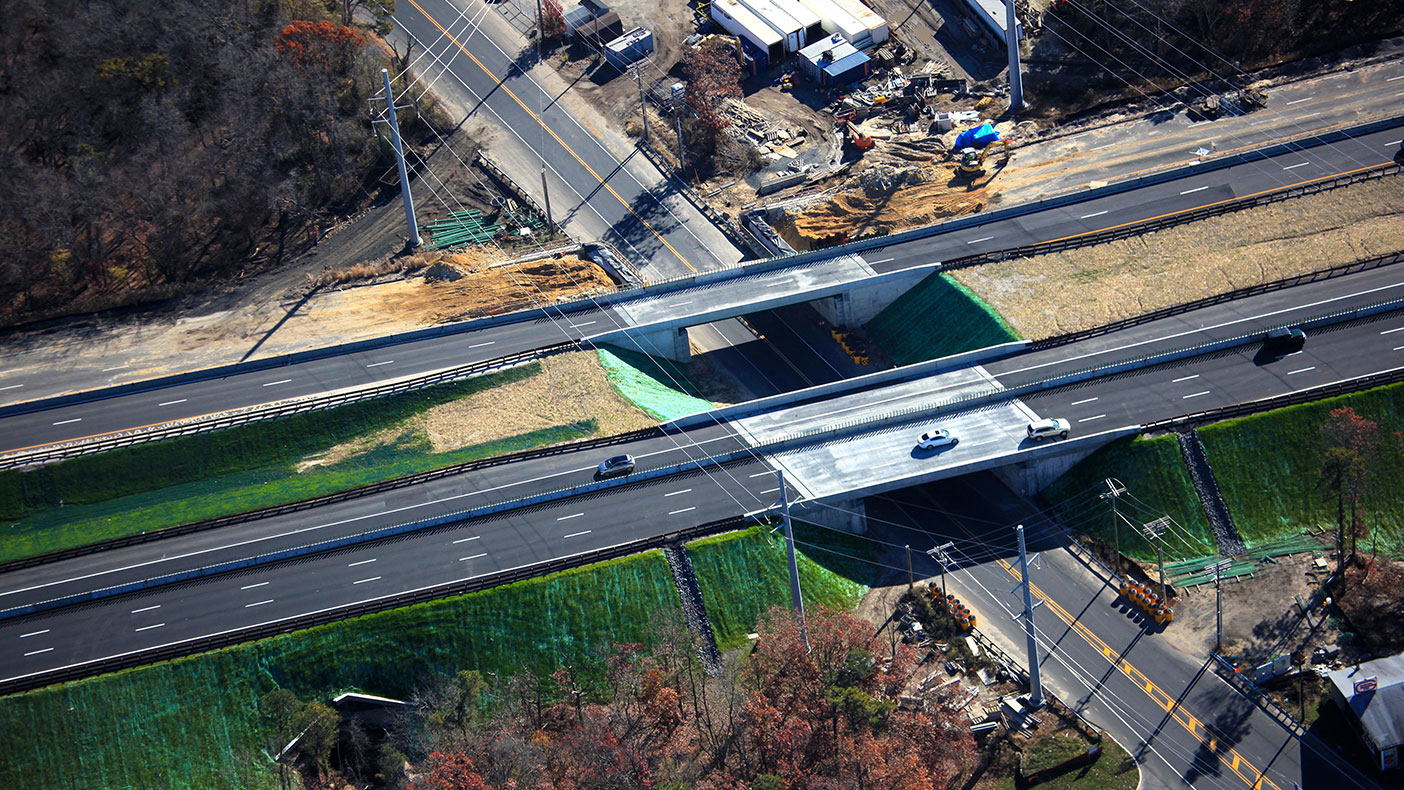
{"type": "Point", "coordinates": [1269, 469]}
{"type": "Point", "coordinates": [177, 481]}
{"type": "Point", "coordinates": [658, 386]}
{"type": "Point", "coordinates": [742, 574]}
{"type": "Point", "coordinates": [1154, 472]}
{"type": "Point", "coordinates": [936, 318]}
{"type": "Point", "coordinates": [193, 723]}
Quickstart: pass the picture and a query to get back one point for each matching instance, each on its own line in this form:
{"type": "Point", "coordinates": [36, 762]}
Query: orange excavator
{"type": "Point", "coordinates": [855, 136]}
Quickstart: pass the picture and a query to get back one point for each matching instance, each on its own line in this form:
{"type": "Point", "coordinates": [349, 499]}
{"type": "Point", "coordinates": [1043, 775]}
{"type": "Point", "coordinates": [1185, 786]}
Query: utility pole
{"type": "Point", "coordinates": [643, 104]}
{"type": "Point", "coordinates": [941, 555]}
{"type": "Point", "coordinates": [546, 193]}
{"type": "Point", "coordinates": [1114, 491]}
{"type": "Point", "coordinates": [910, 579]}
{"type": "Point", "coordinates": [796, 600]}
{"type": "Point", "coordinates": [1218, 569]}
{"type": "Point", "coordinates": [1154, 531]}
{"type": "Point", "coordinates": [410, 221]}
{"type": "Point", "coordinates": [682, 160]}
{"type": "Point", "coordinates": [1011, 41]}
{"type": "Point", "coordinates": [1035, 682]}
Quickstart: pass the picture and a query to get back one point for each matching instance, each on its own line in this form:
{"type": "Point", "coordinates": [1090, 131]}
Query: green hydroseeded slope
{"type": "Point", "coordinates": [658, 386]}
{"type": "Point", "coordinates": [937, 318]}
{"type": "Point", "coordinates": [1155, 476]}
{"type": "Point", "coordinates": [742, 574]}
{"type": "Point", "coordinates": [1269, 469]}
{"type": "Point", "coordinates": [193, 723]}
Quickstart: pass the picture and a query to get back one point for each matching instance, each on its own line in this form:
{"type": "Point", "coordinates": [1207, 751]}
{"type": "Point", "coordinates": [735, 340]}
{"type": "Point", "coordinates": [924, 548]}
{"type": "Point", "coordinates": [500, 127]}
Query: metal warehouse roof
{"type": "Point", "coordinates": [1381, 711]}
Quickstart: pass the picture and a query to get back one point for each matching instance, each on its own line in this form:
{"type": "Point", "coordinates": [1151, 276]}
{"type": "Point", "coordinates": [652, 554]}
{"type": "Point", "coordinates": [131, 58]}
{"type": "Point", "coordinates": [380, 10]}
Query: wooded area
{"type": "Point", "coordinates": [652, 716]}
{"type": "Point", "coordinates": [145, 147]}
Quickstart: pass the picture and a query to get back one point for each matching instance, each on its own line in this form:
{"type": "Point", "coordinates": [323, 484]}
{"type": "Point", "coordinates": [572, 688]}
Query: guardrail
{"type": "Point", "coordinates": [328, 499]}
{"type": "Point", "coordinates": [269, 411]}
{"type": "Point", "coordinates": [1253, 290]}
{"type": "Point", "coordinates": [332, 614]}
{"type": "Point", "coordinates": [1276, 401]}
{"type": "Point", "coordinates": [1151, 225]}
{"type": "Point", "coordinates": [1230, 674]}
{"type": "Point", "coordinates": [727, 227]}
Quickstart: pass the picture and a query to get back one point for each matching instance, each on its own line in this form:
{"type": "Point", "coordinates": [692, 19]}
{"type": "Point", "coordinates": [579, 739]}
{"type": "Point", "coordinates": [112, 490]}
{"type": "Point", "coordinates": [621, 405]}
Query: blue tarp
{"type": "Point", "coordinates": [979, 137]}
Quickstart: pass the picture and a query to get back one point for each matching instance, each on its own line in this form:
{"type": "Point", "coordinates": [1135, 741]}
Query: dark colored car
{"type": "Point", "coordinates": [1285, 340]}
{"type": "Point", "coordinates": [618, 465]}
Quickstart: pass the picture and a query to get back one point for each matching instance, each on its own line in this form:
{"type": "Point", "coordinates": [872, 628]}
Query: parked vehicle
{"type": "Point", "coordinates": [936, 437]}
{"type": "Point", "coordinates": [1052, 426]}
{"type": "Point", "coordinates": [617, 465]}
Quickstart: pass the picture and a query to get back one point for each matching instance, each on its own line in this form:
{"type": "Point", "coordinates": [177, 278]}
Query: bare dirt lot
{"type": "Point", "coordinates": [1130, 277]}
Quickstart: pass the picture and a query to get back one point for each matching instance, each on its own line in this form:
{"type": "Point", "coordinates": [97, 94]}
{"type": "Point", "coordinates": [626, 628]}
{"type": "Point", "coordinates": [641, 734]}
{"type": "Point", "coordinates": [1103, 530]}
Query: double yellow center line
{"type": "Point", "coordinates": [503, 87]}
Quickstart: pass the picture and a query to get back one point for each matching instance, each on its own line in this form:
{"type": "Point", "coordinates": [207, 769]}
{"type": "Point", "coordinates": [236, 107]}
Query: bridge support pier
{"type": "Point", "coordinates": [848, 515]}
{"type": "Point", "coordinates": [1027, 478]}
{"type": "Point", "coordinates": [667, 343]}
{"type": "Point", "coordinates": [860, 303]}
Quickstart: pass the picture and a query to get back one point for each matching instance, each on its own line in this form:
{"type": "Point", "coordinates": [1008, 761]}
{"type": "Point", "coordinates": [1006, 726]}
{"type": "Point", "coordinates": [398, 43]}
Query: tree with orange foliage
{"type": "Point", "coordinates": [450, 771]}
{"type": "Point", "coordinates": [322, 45]}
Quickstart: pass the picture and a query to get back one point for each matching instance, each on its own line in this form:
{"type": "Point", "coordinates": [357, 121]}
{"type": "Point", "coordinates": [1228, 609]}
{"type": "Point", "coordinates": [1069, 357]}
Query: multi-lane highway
{"type": "Point", "coordinates": [193, 399]}
{"type": "Point", "coordinates": [619, 514]}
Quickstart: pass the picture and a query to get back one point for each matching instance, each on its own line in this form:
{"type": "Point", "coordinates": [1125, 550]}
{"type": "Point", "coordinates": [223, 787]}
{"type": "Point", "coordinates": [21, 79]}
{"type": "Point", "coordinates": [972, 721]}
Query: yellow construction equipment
{"type": "Point", "coordinates": [972, 160]}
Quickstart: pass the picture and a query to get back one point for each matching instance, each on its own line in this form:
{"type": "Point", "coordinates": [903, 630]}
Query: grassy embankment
{"type": "Point", "coordinates": [1269, 469]}
{"type": "Point", "coordinates": [936, 318]}
{"type": "Point", "coordinates": [193, 723]}
{"type": "Point", "coordinates": [1154, 473]}
{"type": "Point", "coordinates": [177, 481]}
{"type": "Point", "coordinates": [742, 574]}
{"type": "Point", "coordinates": [658, 386]}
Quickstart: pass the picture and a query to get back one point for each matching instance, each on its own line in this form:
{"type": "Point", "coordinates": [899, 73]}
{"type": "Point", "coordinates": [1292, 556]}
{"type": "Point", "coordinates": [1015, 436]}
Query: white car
{"type": "Point", "coordinates": [1052, 426]}
{"type": "Point", "coordinates": [937, 437]}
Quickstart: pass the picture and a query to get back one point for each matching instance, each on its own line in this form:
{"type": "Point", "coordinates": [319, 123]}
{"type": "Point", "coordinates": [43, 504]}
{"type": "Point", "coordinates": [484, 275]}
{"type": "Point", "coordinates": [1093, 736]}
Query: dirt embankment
{"type": "Point", "coordinates": [1047, 295]}
{"type": "Point", "coordinates": [886, 200]}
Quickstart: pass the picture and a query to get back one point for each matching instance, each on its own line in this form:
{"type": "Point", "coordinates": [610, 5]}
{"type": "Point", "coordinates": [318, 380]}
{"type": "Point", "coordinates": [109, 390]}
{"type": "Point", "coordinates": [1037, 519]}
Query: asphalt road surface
{"type": "Point", "coordinates": [605, 518]}
{"type": "Point", "coordinates": [1180, 721]}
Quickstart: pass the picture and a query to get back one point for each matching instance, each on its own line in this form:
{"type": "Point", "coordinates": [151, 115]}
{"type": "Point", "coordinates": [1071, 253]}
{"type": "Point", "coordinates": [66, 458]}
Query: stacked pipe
{"type": "Point", "coordinates": [961, 613]}
{"type": "Point", "coordinates": [1147, 601]}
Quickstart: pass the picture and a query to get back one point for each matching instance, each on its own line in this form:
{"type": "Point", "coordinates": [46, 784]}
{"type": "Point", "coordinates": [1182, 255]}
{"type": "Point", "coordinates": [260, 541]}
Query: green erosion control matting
{"type": "Point", "coordinates": [658, 386]}
{"type": "Point", "coordinates": [194, 723]}
{"type": "Point", "coordinates": [937, 318]}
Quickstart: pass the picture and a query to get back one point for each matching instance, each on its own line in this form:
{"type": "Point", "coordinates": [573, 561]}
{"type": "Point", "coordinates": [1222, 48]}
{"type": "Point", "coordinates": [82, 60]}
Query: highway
{"type": "Point", "coordinates": [1182, 723]}
{"type": "Point", "coordinates": [185, 401]}
{"type": "Point", "coordinates": [609, 517]}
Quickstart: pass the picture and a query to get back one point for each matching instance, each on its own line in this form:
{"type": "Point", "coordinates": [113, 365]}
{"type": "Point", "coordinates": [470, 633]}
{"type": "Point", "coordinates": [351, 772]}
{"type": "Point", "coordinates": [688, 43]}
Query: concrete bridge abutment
{"type": "Point", "coordinates": [846, 515]}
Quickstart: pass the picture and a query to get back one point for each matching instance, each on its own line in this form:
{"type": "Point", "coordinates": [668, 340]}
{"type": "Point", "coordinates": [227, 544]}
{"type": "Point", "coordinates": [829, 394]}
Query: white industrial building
{"type": "Point", "coordinates": [991, 14]}
{"type": "Point", "coordinates": [738, 20]}
{"type": "Point", "coordinates": [787, 26]}
{"type": "Point", "coordinates": [835, 18]}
